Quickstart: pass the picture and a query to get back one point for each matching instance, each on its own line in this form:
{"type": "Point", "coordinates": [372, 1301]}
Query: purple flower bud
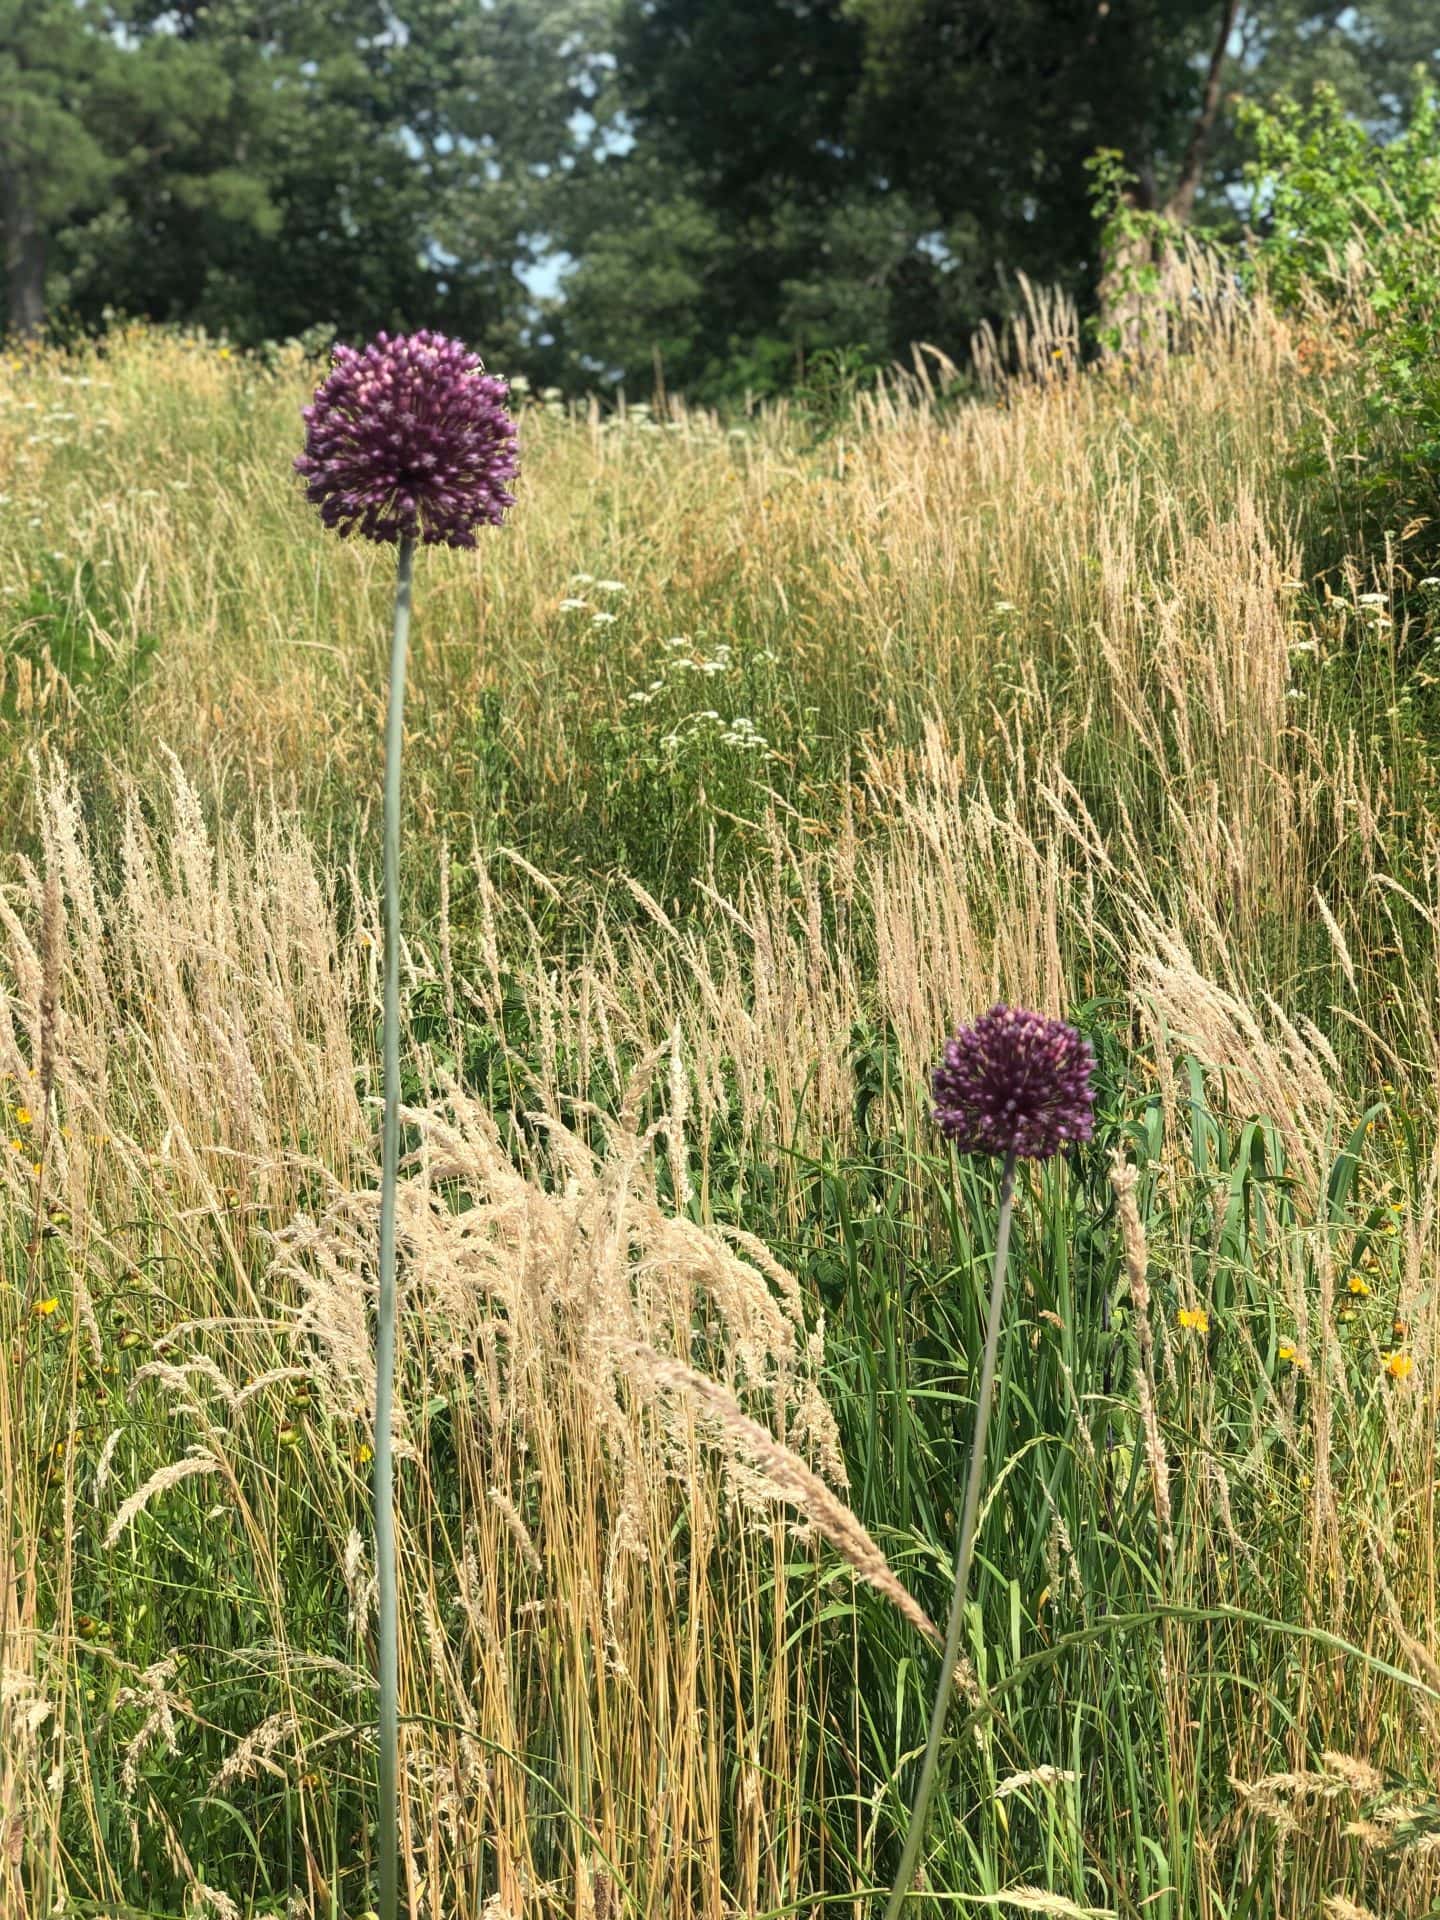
{"type": "Point", "coordinates": [409, 439]}
{"type": "Point", "coordinates": [1015, 1082]}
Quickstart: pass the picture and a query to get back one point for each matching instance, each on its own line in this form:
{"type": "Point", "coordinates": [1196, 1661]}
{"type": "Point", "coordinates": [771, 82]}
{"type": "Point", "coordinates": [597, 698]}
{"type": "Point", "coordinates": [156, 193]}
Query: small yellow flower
{"type": "Point", "coordinates": [15, 1147]}
{"type": "Point", "coordinates": [1359, 1286]}
{"type": "Point", "coordinates": [224, 353]}
{"type": "Point", "coordinates": [1290, 1355]}
{"type": "Point", "coordinates": [24, 1117]}
{"type": "Point", "coordinates": [1399, 1366]}
{"type": "Point", "coordinates": [1195, 1318]}
{"type": "Point", "coordinates": [46, 1307]}
{"type": "Point", "coordinates": [364, 1453]}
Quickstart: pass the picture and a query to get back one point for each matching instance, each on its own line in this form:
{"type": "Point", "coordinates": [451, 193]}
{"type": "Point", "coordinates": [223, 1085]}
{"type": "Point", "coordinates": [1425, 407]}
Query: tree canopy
{"type": "Point", "coordinates": [722, 187]}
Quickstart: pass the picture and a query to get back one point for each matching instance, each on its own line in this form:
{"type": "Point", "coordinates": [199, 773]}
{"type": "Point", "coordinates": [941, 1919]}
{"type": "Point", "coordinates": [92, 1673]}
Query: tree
{"type": "Point", "coordinates": [50, 161]}
{"type": "Point", "coordinates": [260, 168]}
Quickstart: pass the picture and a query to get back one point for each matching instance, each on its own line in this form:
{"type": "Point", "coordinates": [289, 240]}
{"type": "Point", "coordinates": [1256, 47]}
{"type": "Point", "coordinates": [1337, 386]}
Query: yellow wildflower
{"type": "Point", "coordinates": [24, 1117]}
{"type": "Point", "coordinates": [1399, 1366]}
{"type": "Point", "coordinates": [364, 1453]}
{"type": "Point", "coordinates": [46, 1307]}
{"type": "Point", "coordinates": [1290, 1354]}
{"type": "Point", "coordinates": [1195, 1318]}
{"type": "Point", "coordinates": [1359, 1286]}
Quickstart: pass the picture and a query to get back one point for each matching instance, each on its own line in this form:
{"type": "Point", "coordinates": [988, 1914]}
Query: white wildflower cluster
{"type": "Point", "coordinates": [740, 733]}
{"type": "Point", "coordinates": [636, 418]}
{"type": "Point", "coordinates": [577, 604]}
{"type": "Point", "coordinates": [682, 659]}
{"type": "Point", "coordinates": [1371, 606]}
{"type": "Point", "coordinates": [743, 734]}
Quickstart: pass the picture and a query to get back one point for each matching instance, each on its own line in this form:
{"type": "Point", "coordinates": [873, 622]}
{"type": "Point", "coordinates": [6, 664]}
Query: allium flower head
{"type": "Point", "coordinates": [408, 438]}
{"type": "Point", "coordinates": [1015, 1082]}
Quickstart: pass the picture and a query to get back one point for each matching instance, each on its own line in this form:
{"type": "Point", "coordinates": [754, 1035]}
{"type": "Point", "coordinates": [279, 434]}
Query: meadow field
{"type": "Point", "coordinates": [746, 760]}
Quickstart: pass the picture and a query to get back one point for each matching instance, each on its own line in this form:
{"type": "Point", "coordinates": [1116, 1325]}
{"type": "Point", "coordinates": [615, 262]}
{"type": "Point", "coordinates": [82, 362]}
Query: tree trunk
{"type": "Point", "coordinates": [24, 256]}
{"type": "Point", "coordinates": [1182, 200]}
{"type": "Point", "coordinates": [1122, 304]}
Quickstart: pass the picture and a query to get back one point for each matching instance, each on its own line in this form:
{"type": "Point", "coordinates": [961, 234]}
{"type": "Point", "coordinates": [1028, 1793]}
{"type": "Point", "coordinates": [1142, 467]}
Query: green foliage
{"type": "Point", "coordinates": [1353, 222]}
{"type": "Point", "coordinates": [65, 620]}
{"type": "Point", "coordinates": [259, 170]}
{"type": "Point", "coordinates": [825, 396]}
{"type": "Point", "coordinates": [1132, 240]}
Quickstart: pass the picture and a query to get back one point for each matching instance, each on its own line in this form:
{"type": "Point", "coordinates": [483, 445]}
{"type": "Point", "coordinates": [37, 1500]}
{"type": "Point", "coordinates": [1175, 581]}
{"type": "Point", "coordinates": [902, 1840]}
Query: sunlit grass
{"type": "Point", "coordinates": [1088, 702]}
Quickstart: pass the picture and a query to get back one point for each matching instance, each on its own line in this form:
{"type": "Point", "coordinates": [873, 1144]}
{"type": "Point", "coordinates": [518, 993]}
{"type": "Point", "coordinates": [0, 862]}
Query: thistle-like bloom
{"type": "Point", "coordinates": [408, 439]}
{"type": "Point", "coordinates": [1015, 1082]}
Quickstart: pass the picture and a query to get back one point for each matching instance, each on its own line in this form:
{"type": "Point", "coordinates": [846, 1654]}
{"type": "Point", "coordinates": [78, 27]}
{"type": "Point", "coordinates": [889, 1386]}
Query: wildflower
{"type": "Point", "coordinates": [1015, 1082]}
{"type": "Point", "coordinates": [406, 441]}
{"type": "Point", "coordinates": [1195, 1319]}
{"type": "Point", "coordinates": [24, 1117]}
{"type": "Point", "coordinates": [603, 619]}
{"type": "Point", "coordinates": [409, 440]}
{"type": "Point", "coordinates": [1359, 1286]}
{"type": "Point", "coordinates": [1399, 1366]}
{"type": "Point", "coordinates": [1018, 1084]}
{"type": "Point", "coordinates": [573, 606]}
{"type": "Point", "coordinates": [364, 1453]}
{"type": "Point", "coordinates": [46, 1307]}
{"type": "Point", "coordinates": [1290, 1354]}
{"type": "Point", "coordinates": [610, 586]}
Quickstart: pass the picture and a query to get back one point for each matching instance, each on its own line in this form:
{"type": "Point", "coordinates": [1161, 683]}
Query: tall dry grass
{"type": "Point", "coordinates": [1068, 725]}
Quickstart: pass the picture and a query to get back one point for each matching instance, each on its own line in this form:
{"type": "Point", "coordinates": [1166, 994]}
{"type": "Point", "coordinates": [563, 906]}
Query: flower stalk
{"type": "Point", "coordinates": [964, 1552]}
{"type": "Point", "coordinates": [1018, 1084]}
{"type": "Point", "coordinates": [385, 1570]}
{"type": "Point", "coordinates": [407, 441]}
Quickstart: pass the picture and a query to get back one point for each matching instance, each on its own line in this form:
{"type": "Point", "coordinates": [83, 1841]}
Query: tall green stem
{"type": "Point", "coordinates": [914, 1838]}
{"type": "Point", "coordinates": [389, 1630]}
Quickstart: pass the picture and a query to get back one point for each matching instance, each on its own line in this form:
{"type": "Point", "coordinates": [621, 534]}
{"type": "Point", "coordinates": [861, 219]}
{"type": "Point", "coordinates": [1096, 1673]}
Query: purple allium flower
{"type": "Point", "coordinates": [409, 439]}
{"type": "Point", "coordinates": [1015, 1082]}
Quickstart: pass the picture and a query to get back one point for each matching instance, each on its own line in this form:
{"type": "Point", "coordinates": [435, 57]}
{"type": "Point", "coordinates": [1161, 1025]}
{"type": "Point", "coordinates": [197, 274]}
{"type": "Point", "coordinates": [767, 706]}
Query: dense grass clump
{"type": "Point", "coordinates": [782, 755]}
